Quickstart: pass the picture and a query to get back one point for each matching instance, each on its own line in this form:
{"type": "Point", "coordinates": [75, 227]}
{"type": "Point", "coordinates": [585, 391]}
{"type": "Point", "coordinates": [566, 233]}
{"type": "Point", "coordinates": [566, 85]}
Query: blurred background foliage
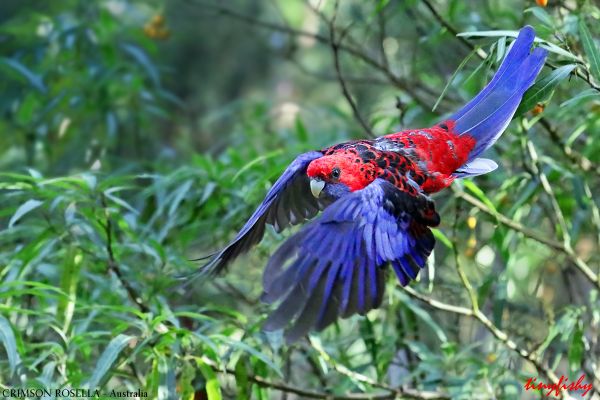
{"type": "Point", "coordinates": [139, 134]}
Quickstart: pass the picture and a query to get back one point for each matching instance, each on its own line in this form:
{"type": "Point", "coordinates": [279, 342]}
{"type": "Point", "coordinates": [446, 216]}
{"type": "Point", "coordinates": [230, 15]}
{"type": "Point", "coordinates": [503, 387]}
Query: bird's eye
{"type": "Point", "coordinates": [335, 173]}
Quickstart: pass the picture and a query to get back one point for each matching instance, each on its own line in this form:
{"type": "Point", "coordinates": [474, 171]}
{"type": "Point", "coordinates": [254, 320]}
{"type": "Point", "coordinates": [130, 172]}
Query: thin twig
{"type": "Point", "coordinates": [335, 47]}
{"type": "Point", "coordinates": [360, 54]}
{"type": "Point", "coordinates": [567, 250]}
{"type": "Point", "coordinates": [584, 163]}
{"type": "Point", "coordinates": [502, 336]}
{"type": "Point", "coordinates": [459, 269]}
{"type": "Point", "coordinates": [112, 264]}
{"type": "Point", "coordinates": [309, 394]}
{"type": "Point", "coordinates": [397, 392]}
{"type": "Point", "coordinates": [480, 52]}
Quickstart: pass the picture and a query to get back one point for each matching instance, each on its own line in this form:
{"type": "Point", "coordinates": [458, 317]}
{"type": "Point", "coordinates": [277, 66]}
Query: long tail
{"type": "Point", "coordinates": [486, 116]}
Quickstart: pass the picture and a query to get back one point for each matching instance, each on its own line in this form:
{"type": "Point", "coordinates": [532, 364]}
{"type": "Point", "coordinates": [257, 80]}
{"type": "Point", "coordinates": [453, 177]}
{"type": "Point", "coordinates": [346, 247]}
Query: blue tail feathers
{"type": "Point", "coordinates": [487, 115]}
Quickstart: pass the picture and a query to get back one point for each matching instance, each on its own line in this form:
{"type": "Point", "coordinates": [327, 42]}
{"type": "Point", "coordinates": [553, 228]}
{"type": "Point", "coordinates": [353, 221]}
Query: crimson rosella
{"type": "Point", "coordinates": [374, 195]}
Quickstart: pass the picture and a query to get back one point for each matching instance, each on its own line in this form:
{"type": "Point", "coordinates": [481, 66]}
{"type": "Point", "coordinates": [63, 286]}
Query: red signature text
{"type": "Point", "coordinates": [555, 389]}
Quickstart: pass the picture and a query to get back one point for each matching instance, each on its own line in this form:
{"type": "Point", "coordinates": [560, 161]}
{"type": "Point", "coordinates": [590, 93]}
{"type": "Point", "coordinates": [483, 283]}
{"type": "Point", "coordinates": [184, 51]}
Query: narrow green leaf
{"type": "Point", "coordinates": [458, 69]}
{"type": "Point", "coordinates": [68, 283]}
{"type": "Point", "coordinates": [301, 131]}
{"type": "Point", "coordinates": [7, 337]}
{"type": "Point", "coordinates": [543, 89]}
{"type": "Point", "coordinates": [423, 315]}
{"type": "Point", "coordinates": [213, 389]}
{"type": "Point", "coordinates": [26, 207]}
{"type": "Point", "coordinates": [576, 349]}
{"type": "Point", "coordinates": [542, 15]}
{"type": "Point", "coordinates": [256, 161]}
{"type": "Point", "coordinates": [186, 379]}
{"type": "Point", "coordinates": [248, 349]}
{"type": "Point", "coordinates": [489, 34]}
{"type": "Point", "coordinates": [167, 388]}
{"type": "Point", "coordinates": [140, 56]}
{"type": "Point", "coordinates": [33, 79]}
{"type": "Point", "coordinates": [501, 49]}
{"type": "Point", "coordinates": [241, 379]}
{"type": "Point", "coordinates": [439, 235]}
{"type": "Point", "coordinates": [586, 94]}
{"type": "Point", "coordinates": [107, 359]}
{"type": "Point", "coordinates": [179, 195]}
{"type": "Point", "coordinates": [552, 48]}
{"type": "Point", "coordinates": [473, 188]}
{"type": "Point", "coordinates": [542, 43]}
{"type": "Point", "coordinates": [591, 49]}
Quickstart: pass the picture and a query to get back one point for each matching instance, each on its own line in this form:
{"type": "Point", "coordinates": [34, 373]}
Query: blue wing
{"type": "Point", "coordinates": [288, 202]}
{"type": "Point", "coordinates": [335, 266]}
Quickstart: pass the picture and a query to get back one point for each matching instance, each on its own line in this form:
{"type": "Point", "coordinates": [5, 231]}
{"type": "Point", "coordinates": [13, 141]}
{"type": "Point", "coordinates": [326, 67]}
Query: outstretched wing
{"type": "Point", "coordinates": [288, 202]}
{"type": "Point", "coordinates": [335, 266]}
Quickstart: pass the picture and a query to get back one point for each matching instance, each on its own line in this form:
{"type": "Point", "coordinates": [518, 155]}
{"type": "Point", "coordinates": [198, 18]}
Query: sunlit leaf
{"type": "Point", "coordinates": [213, 389]}
{"type": "Point", "coordinates": [480, 194]}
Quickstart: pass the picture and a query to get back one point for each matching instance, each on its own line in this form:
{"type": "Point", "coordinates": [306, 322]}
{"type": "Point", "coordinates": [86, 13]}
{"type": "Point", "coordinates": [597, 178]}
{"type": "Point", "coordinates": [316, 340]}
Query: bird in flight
{"type": "Point", "coordinates": [376, 206]}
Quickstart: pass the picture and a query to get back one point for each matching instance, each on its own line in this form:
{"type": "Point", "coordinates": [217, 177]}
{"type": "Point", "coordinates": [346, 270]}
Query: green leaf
{"type": "Point", "coordinates": [26, 207]}
{"type": "Point", "coordinates": [439, 235]}
{"type": "Point", "coordinates": [591, 49]}
{"type": "Point", "coordinates": [501, 49]}
{"type": "Point", "coordinates": [108, 358]}
{"type": "Point", "coordinates": [186, 379]}
{"type": "Point", "coordinates": [241, 379]}
{"type": "Point", "coordinates": [7, 337]}
{"type": "Point", "coordinates": [143, 60]}
{"type": "Point", "coordinates": [255, 161]}
{"type": "Point", "coordinates": [32, 78]}
{"type": "Point", "coordinates": [489, 34]}
{"type": "Point", "coordinates": [547, 45]}
{"type": "Point", "coordinates": [576, 349]}
{"type": "Point", "coordinates": [248, 349]}
{"type": "Point", "coordinates": [543, 89]}
{"type": "Point", "coordinates": [473, 188]}
{"type": "Point", "coordinates": [425, 316]}
{"type": "Point", "coordinates": [213, 390]}
{"type": "Point", "coordinates": [167, 388]}
{"type": "Point", "coordinates": [301, 131]}
{"type": "Point", "coordinates": [580, 96]}
{"type": "Point", "coordinates": [68, 284]}
{"type": "Point", "coordinates": [542, 15]}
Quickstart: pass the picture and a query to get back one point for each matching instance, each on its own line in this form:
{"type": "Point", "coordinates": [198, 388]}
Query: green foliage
{"type": "Point", "coordinates": [139, 135]}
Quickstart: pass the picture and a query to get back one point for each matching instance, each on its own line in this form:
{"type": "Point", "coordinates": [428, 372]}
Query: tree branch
{"type": "Point", "coordinates": [309, 394]}
{"type": "Point", "coordinates": [499, 334]}
{"type": "Point", "coordinates": [514, 225]}
{"type": "Point", "coordinates": [394, 393]}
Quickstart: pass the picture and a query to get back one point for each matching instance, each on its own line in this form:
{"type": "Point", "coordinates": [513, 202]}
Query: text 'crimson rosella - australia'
{"type": "Point", "coordinates": [376, 209]}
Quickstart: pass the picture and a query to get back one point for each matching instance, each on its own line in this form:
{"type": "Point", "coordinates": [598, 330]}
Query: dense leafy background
{"type": "Point", "coordinates": [138, 134]}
